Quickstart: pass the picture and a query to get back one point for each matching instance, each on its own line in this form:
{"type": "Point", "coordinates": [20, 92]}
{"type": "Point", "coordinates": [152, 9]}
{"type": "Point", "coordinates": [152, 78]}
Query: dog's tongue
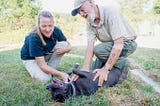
{"type": "Point", "coordinates": [55, 80]}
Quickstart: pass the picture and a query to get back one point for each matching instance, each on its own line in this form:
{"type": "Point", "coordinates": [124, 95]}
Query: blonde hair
{"type": "Point", "coordinates": [43, 14]}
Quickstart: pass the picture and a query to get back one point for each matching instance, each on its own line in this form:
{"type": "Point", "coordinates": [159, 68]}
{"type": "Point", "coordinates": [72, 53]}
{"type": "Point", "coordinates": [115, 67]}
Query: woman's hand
{"type": "Point", "coordinates": [65, 77]}
{"type": "Point", "coordinates": [61, 50]}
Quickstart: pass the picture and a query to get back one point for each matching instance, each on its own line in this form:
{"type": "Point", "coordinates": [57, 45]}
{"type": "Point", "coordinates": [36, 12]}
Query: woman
{"type": "Point", "coordinates": [43, 48]}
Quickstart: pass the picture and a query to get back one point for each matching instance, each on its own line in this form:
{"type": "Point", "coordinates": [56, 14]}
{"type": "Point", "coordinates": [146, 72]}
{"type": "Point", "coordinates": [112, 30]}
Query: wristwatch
{"type": "Point", "coordinates": [106, 67]}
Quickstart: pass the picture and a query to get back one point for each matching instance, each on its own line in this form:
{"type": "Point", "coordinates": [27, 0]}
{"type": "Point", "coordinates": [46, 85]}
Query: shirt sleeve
{"type": "Point", "coordinates": [59, 34]}
{"type": "Point", "coordinates": [35, 46]}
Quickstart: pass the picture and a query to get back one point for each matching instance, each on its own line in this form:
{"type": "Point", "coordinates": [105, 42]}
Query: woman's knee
{"type": "Point", "coordinates": [62, 43]}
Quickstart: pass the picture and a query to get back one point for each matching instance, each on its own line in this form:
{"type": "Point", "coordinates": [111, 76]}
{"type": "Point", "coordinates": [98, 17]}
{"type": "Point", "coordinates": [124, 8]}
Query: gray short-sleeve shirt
{"type": "Point", "coordinates": [112, 26]}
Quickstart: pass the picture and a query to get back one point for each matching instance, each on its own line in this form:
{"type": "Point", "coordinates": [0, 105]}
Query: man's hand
{"type": "Point", "coordinates": [102, 74]}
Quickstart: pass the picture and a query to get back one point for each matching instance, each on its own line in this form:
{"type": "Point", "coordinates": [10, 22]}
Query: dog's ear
{"type": "Point", "coordinates": [56, 84]}
{"type": "Point", "coordinates": [80, 73]}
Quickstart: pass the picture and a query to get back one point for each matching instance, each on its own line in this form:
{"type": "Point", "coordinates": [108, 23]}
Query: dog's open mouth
{"type": "Point", "coordinates": [58, 83]}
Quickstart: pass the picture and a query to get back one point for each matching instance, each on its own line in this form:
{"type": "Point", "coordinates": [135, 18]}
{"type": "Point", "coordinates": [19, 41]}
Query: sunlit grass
{"type": "Point", "coordinates": [18, 88]}
{"type": "Point", "coordinates": [148, 59]}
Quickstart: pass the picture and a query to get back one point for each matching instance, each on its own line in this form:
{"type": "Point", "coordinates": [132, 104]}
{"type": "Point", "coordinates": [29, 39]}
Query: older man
{"type": "Point", "coordinates": [106, 24]}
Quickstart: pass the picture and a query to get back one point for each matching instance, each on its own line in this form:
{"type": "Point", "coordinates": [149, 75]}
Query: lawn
{"type": "Point", "coordinates": [19, 89]}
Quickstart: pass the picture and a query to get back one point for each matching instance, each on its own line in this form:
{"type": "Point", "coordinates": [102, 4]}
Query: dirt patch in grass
{"type": "Point", "coordinates": [151, 74]}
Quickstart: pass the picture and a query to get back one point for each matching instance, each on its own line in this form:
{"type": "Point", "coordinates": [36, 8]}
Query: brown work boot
{"type": "Point", "coordinates": [124, 75]}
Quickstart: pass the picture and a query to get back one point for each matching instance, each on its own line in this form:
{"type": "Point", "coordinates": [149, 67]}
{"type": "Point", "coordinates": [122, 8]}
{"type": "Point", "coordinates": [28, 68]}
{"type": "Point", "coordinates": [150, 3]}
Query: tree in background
{"type": "Point", "coordinates": [156, 10]}
{"type": "Point", "coordinates": [137, 11]}
{"type": "Point", "coordinates": [157, 7]}
{"type": "Point", "coordinates": [21, 14]}
{"type": "Point", "coordinates": [70, 25]}
{"type": "Point", "coordinates": [16, 14]}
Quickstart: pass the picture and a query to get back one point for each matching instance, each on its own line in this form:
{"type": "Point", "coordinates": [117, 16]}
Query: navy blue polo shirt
{"type": "Point", "coordinates": [33, 46]}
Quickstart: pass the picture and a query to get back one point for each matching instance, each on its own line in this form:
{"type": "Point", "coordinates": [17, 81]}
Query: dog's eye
{"type": "Point", "coordinates": [61, 84]}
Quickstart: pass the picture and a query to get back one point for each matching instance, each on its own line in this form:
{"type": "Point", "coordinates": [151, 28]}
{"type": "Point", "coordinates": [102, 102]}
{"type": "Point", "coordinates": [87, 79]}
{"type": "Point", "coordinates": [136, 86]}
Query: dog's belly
{"type": "Point", "coordinates": [86, 86]}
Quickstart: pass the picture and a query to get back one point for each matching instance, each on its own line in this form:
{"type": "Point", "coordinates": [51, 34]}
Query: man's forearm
{"type": "Point", "coordinates": [88, 56]}
{"type": "Point", "coordinates": [115, 53]}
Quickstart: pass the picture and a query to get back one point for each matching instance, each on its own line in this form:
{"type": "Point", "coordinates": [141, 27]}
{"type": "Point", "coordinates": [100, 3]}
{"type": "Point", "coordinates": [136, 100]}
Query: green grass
{"type": "Point", "coordinates": [19, 89]}
{"type": "Point", "coordinates": [78, 50]}
{"type": "Point", "coordinates": [148, 59]}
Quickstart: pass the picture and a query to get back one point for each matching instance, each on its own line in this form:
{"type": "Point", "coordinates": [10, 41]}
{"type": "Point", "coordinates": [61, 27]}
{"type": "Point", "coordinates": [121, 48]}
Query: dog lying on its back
{"type": "Point", "coordinates": [84, 85]}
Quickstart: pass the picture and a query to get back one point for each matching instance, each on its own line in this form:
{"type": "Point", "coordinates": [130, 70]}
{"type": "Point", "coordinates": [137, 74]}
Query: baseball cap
{"type": "Point", "coordinates": [77, 5]}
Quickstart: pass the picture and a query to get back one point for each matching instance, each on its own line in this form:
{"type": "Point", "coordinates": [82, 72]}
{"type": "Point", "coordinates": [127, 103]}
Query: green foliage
{"type": "Point", "coordinates": [70, 25]}
{"type": "Point", "coordinates": [17, 14]}
{"type": "Point", "coordinates": [157, 6]}
{"type": "Point", "coordinates": [134, 11]}
{"type": "Point", "coordinates": [70, 29]}
{"type": "Point", "coordinates": [22, 14]}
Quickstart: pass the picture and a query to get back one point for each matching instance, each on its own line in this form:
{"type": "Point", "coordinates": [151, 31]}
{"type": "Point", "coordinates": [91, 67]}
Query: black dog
{"type": "Point", "coordinates": [84, 85]}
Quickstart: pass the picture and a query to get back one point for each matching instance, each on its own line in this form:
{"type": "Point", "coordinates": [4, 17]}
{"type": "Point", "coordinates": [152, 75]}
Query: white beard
{"type": "Point", "coordinates": [91, 16]}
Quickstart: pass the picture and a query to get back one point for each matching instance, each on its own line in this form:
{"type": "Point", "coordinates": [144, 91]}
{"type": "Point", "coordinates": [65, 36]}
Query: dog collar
{"type": "Point", "coordinates": [74, 89]}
